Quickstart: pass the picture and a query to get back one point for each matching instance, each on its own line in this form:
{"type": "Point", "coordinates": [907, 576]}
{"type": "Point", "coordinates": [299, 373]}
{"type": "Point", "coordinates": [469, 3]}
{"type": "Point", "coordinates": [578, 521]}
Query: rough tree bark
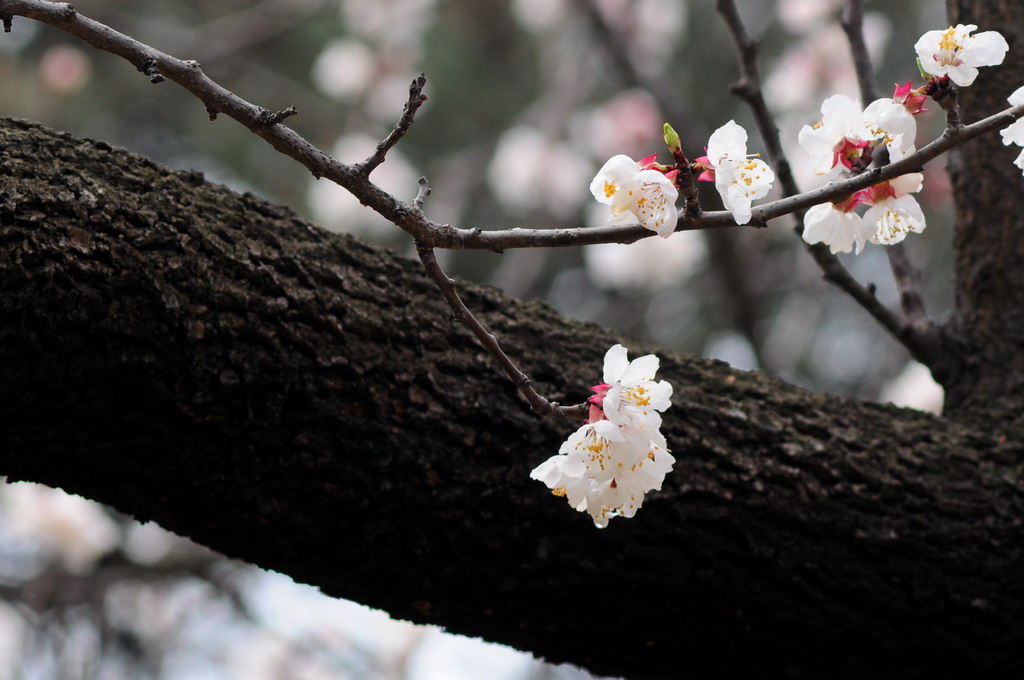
{"type": "Point", "coordinates": [988, 324]}
{"type": "Point", "coordinates": [304, 402]}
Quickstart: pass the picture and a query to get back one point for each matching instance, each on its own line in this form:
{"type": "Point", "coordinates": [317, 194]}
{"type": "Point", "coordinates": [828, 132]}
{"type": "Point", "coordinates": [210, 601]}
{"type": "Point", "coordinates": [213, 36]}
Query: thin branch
{"type": "Point", "coordinates": [217, 99]}
{"type": "Point", "coordinates": [853, 26]}
{"type": "Point", "coordinates": [908, 281]}
{"type": "Point", "coordinates": [944, 93]}
{"type": "Point", "coordinates": [748, 88]}
{"type": "Point", "coordinates": [618, 51]}
{"type": "Point", "coordinates": [904, 273]}
{"type": "Point", "coordinates": [726, 258]}
{"type": "Point", "coordinates": [412, 105]}
{"type": "Point", "coordinates": [922, 342]}
{"type": "Point", "coordinates": [189, 75]}
{"type": "Point", "coordinates": [269, 118]}
{"type": "Point", "coordinates": [421, 194]}
{"type": "Point", "coordinates": [539, 404]}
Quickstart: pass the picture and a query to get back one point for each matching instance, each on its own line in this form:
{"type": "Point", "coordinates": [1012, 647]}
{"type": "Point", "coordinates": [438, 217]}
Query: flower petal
{"type": "Point", "coordinates": [615, 364]}
{"type": "Point", "coordinates": [985, 49]}
{"type": "Point", "coordinates": [615, 174]}
{"type": "Point", "coordinates": [728, 141]}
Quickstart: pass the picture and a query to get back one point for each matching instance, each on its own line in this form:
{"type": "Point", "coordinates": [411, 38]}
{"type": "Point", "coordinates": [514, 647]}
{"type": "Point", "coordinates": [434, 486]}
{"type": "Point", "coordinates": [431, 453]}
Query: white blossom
{"type": "Point", "coordinates": [839, 137]}
{"type": "Point", "coordinates": [956, 53]}
{"type": "Point", "coordinates": [837, 228]}
{"type": "Point", "coordinates": [892, 124]}
{"type": "Point", "coordinates": [605, 469]}
{"type": "Point", "coordinates": [894, 212]}
{"type": "Point", "coordinates": [894, 219]}
{"type": "Point", "coordinates": [628, 393]}
{"type": "Point", "coordinates": [623, 495]}
{"type": "Point", "coordinates": [645, 194]}
{"type": "Point", "coordinates": [607, 466]}
{"type": "Point", "coordinates": [739, 178]}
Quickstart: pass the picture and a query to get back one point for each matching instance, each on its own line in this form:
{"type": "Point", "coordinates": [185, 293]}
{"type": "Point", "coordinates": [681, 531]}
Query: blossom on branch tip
{"type": "Point", "coordinates": [634, 189]}
{"type": "Point", "coordinates": [957, 54]}
{"type": "Point", "coordinates": [739, 178]}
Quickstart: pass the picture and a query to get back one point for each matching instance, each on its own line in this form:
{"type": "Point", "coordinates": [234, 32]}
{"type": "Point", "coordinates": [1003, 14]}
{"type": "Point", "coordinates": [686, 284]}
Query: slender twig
{"type": "Point", "coordinates": [218, 99]}
{"type": "Point", "coordinates": [908, 281]}
{"type": "Point", "coordinates": [725, 257]}
{"type": "Point", "coordinates": [615, 47]}
{"type": "Point", "coordinates": [919, 338]}
{"type": "Point", "coordinates": [905, 275]}
{"type": "Point", "coordinates": [748, 88]}
{"type": "Point", "coordinates": [686, 181]}
{"type": "Point", "coordinates": [269, 118]}
{"type": "Point", "coordinates": [446, 284]}
{"type": "Point", "coordinates": [853, 26]}
{"type": "Point", "coordinates": [189, 75]}
{"type": "Point", "coordinates": [412, 105]}
{"type": "Point", "coordinates": [421, 194]}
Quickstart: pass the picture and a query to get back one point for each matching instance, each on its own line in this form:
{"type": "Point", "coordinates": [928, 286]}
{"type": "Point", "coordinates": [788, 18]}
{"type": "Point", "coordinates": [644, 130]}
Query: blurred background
{"type": "Point", "coordinates": [527, 99]}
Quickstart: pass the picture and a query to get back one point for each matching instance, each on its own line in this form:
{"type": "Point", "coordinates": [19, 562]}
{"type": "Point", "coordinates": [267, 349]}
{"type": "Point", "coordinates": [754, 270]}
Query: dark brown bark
{"type": "Point", "coordinates": [988, 324]}
{"type": "Point", "coordinates": [303, 401]}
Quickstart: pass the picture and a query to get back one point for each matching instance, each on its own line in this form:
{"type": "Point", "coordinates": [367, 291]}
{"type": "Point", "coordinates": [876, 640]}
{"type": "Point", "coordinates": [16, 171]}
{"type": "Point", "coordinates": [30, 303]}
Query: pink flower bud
{"type": "Point", "coordinates": [912, 100]}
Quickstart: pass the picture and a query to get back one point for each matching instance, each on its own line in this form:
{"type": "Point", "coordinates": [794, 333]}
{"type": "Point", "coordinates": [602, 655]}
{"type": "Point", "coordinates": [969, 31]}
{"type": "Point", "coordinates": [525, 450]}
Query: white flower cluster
{"type": "Point", "coordinates": [645, 191]}
{"type": "Point", "coordinates": [844, 138]}
{"type": "Point", "coordinates": [633, 187]}
{"type": "Point", "coordinates": [843, 141]}
{"type": "Point", "coordinates": [608, 464]}
{"type": "Point", "coordinates": [845, 132]}
{"type": "Point", "coordinates": [894, 213]}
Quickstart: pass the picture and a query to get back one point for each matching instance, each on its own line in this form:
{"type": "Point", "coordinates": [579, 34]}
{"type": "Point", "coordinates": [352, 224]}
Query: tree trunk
{"type": "Point", "coordinates": [988, 324]}
{"type": "Point", "coordinates": [304, 402]}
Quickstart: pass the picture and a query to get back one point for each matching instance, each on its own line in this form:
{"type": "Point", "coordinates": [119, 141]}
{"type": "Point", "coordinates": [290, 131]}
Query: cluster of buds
{"type": "Point", "coordinates": [607, 466]}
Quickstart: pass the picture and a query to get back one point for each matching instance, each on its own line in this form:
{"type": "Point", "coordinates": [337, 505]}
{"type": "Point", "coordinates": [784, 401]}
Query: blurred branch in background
{"type": "Point", "coordinates": [87, 593]}
{"type": "Point", "coordinates": [727, 260]}
{"type": "Point", "coordinates": [907, 278]}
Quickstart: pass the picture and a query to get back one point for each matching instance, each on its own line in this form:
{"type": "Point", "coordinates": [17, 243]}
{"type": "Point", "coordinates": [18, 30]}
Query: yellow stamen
{"type": "Point", "coordinates": [948, 41]}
